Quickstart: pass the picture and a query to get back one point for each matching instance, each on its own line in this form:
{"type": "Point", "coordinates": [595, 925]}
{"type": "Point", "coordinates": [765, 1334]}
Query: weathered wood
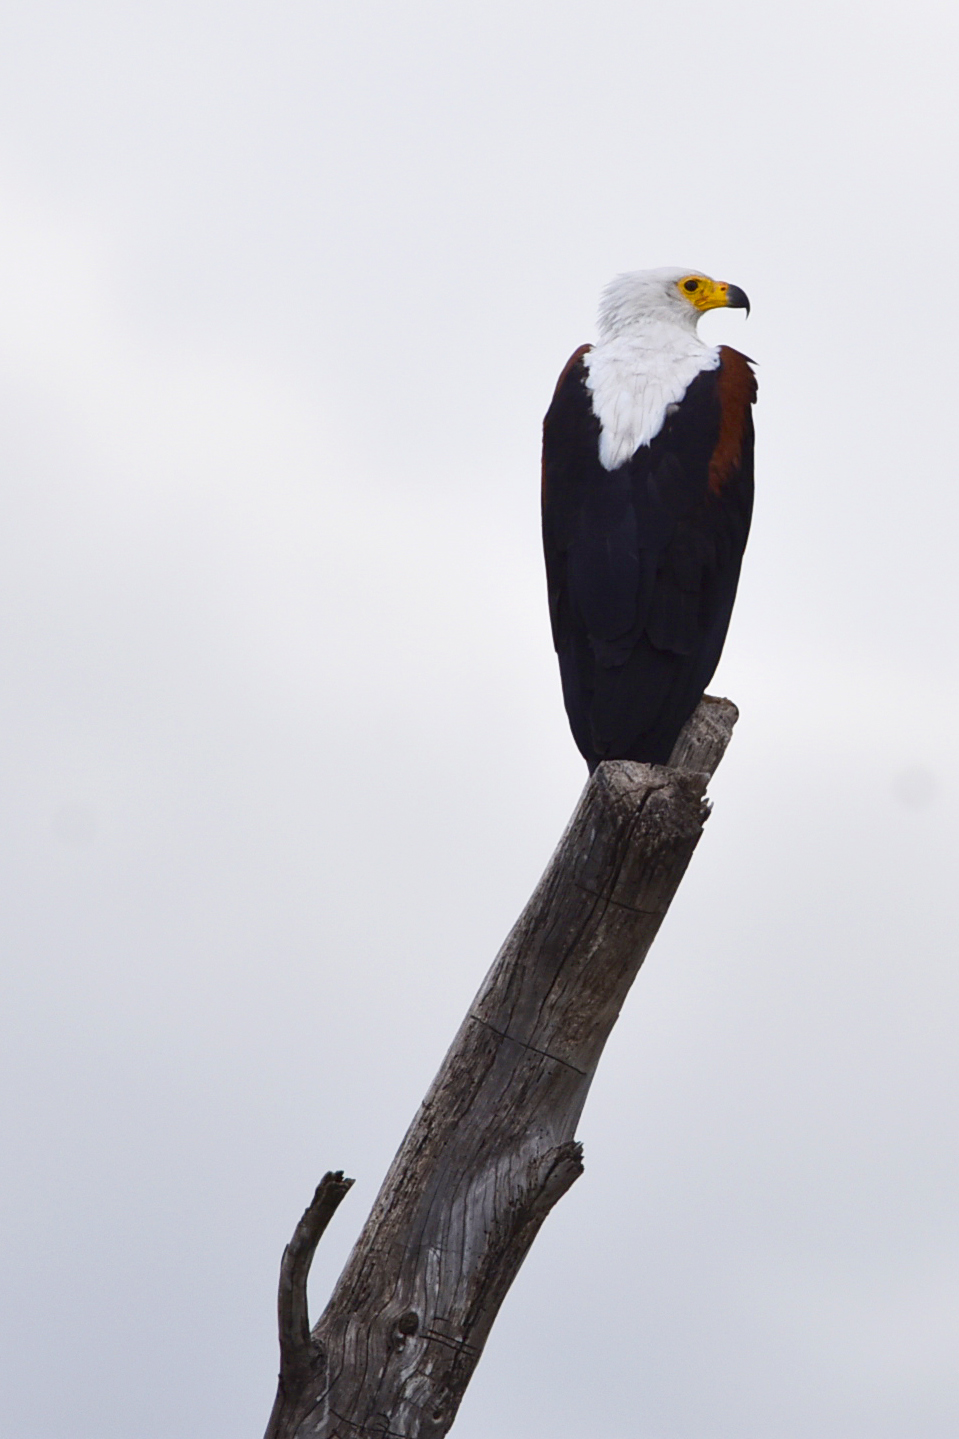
{"type": "Point", "coordinates": [302, 1360]}
{"type": "Point", "coordinates": [492, 1148]}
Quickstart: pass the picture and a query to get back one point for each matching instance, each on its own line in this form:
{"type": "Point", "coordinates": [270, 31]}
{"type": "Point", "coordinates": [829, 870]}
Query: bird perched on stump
{"type": "Point", "coordinates": [647, 497]}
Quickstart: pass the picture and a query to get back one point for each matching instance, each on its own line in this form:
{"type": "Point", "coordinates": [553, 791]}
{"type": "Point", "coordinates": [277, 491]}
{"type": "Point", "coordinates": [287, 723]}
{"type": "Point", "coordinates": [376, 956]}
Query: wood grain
{"type": "Point", "coordinates": [493, 1146]}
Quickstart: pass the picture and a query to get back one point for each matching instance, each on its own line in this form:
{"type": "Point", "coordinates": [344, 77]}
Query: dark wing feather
{"type": "Point", "coordinates": [643, 561]}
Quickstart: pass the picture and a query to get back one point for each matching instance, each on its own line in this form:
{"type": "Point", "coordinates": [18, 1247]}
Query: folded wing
{"type": "Point", "coordinates": [643, 561]}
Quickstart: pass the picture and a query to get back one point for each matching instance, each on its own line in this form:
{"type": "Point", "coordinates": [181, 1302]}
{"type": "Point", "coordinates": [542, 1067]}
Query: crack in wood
{"type": "Point", "coordinates": [621, 903]}
{"type": "Point", "coordinates": [378, 1430]}
{"type": "Point", "coordinates": [462, 1346]}
{"type": "Point", "coordinates": [503, 1034]}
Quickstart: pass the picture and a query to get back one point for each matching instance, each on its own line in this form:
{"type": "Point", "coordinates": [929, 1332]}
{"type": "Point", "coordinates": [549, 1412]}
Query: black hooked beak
{"type": "Point", "coordinates": [737, 299]}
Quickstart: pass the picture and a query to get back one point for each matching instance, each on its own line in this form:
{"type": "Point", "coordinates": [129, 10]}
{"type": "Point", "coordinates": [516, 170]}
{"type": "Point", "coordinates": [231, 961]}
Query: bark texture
{"type": "Point", "coordinates": [492, 1148]}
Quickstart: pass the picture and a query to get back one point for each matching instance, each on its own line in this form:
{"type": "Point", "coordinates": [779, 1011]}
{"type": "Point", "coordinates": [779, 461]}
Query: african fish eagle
{"type": "Point", "coordinates": [647, 497]}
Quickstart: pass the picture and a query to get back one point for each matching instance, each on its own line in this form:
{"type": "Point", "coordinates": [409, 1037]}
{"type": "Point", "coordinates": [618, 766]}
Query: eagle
{"type": "Point", "coordinates": [647, 499]}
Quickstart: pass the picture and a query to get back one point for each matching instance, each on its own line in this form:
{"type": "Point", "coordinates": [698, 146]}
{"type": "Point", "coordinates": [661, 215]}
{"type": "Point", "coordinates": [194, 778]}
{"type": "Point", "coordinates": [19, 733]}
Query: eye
{"type": "Point", "coordinates": [690, 285]}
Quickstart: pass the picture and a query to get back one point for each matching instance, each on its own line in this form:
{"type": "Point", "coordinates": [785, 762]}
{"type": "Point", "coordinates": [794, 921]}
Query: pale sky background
{"type": "Point", "coordinates": [284, 290]}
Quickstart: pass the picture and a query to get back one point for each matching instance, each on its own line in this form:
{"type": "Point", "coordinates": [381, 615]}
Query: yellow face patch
{"type": "Point", "coordinates": [702, 292]}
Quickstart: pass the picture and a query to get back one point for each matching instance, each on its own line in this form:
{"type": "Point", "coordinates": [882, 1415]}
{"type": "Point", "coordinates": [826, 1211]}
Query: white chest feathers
{"type": "Point", "coordinates": [634, 377]}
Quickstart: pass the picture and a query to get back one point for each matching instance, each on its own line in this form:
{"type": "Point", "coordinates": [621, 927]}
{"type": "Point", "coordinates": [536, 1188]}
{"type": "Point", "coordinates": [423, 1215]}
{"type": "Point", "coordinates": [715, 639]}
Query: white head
{"type": "Point", "coordinates": [667, 296]}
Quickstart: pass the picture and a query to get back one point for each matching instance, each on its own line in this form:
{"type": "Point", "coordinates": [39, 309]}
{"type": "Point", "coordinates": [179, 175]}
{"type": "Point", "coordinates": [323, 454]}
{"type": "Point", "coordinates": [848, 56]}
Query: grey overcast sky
{"type": "Point", "coordinates": [284, 290]}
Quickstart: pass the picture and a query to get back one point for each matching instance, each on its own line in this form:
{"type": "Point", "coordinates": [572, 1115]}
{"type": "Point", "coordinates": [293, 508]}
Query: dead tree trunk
{"type": "Point", "coordinates": [492, 1148]}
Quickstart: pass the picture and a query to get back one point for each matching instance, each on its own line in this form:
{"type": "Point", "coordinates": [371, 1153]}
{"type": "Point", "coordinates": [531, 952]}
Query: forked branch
{"type": "Point", "coordinates": [493, 1146]}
